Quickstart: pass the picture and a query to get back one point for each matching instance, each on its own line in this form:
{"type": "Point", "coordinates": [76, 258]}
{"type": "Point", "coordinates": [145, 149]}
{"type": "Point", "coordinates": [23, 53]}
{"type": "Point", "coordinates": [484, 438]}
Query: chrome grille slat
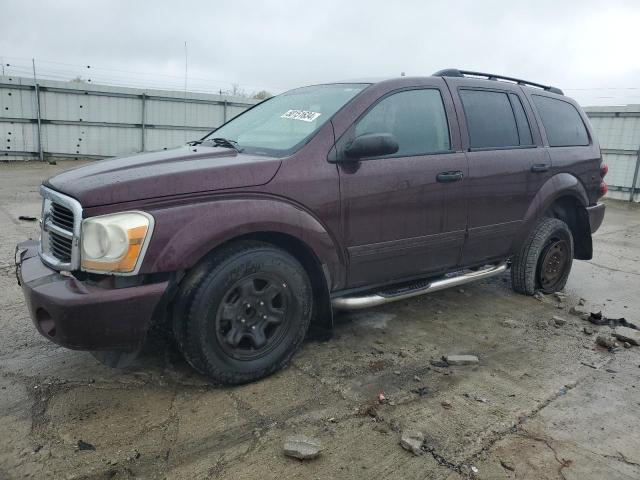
{"type": "Point", "coordinates": [61, 219]}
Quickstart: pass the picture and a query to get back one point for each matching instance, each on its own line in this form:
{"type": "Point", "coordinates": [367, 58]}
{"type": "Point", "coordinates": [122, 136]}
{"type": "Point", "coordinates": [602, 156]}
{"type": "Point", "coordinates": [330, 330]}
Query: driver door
{"type": "Point", "coordinates": [405, 215]}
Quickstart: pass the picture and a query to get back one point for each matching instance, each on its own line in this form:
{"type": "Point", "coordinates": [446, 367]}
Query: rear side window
{"type": "Point", "coordinates": [416, 118]}
{"type": "Point", "coordinates": [490, 119]}
{"type": "Point", "coordinates": [561, 121]}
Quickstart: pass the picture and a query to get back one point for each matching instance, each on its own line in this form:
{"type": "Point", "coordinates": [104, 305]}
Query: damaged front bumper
{"type": "Point", "coordinates": [85, 315]}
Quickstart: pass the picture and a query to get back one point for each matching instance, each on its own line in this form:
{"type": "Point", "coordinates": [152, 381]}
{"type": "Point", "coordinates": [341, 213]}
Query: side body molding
{"type": "Point", "coordinates": [186, 232]}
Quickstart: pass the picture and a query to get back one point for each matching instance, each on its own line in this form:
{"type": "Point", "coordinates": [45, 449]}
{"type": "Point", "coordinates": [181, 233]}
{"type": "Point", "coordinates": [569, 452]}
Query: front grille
{"type": "Point", "coordinates": [61, 247]}
{"type": "Point", "coordinates": [61, 217]}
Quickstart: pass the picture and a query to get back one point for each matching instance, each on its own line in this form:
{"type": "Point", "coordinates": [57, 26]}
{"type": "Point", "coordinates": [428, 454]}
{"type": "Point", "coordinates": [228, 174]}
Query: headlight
{"type": "Point", "coordinates": [115, 243]}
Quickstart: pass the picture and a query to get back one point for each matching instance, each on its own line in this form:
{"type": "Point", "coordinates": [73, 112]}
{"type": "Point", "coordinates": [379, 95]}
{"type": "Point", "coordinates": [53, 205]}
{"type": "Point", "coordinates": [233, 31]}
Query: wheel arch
{"type": "Point", "coordinates": [564, 197]}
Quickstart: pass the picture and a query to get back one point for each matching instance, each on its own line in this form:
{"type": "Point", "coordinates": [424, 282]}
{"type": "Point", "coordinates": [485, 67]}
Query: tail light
{"type": "Point", "coordinates": [603, 188]}
{"type": "Point", "coordinates": [604, 169]}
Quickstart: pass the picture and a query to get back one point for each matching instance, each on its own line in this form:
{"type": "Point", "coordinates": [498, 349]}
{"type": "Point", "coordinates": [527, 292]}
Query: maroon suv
{"type": "Point", "coordinates": [337, 196]}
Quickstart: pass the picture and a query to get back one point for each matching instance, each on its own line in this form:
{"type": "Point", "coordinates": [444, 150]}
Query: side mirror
{"type": "Point", "coordinates": [371, 145]}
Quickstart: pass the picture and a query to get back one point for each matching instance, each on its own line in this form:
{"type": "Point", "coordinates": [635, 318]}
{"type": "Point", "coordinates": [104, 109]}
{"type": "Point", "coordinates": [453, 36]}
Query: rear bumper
{"type": "Point", "coordinates": [596, 215]}
{"type": "Point", "coordinates": [82, 315]}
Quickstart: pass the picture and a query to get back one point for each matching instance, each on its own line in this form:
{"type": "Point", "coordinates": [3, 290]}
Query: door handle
{"type": "Point", "coordinates": [539, 168]}
{"type": "Point", "coordinates": [448, 177]}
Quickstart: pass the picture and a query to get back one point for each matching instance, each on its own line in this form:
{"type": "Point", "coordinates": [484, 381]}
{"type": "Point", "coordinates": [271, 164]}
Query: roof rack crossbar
{"type": "Point", "coordinates": [453, 72]}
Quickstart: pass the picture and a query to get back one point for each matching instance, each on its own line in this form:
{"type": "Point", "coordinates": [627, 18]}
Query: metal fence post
{"type": "Point", "coordinates": [37, 91]}
{"type": "Point", "coordinates": [224, 113]}
{"type": "Point", "coordinates": [635, 176]}
{"type": "Point", "coordinates": [142, 122]}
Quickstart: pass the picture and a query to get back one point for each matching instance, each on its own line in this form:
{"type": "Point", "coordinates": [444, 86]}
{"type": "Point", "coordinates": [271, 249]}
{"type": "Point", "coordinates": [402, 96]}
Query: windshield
{"type": "Point", "coordinates": [282, 124]}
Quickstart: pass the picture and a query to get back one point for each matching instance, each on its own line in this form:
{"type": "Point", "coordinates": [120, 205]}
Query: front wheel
{"type": "Point", "coordinates": [248, 313]}
{"type": "Point", "coordinates": [544, 261]}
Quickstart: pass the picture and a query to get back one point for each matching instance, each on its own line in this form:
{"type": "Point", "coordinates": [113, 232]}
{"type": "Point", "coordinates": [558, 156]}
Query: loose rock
{"type": "Point", "coordinates": [439, 363]}
{"type": "Point", "coordinates": [446, 405]}
{"type": "Point", "coordinates": [588, 330]}
{"type": "Point", "coordinates": [558, 321]}
{"type": "Point", "coordinates": [82, 445]}
{"type": "Point", "coordinates": [577, 311]}
{"type": "Point", "coordinates": [461, 359]}
{"type": "Point", "coordinates": [626, 345]}
{"type": "Point", "coordinates": [507, 466]}
{"type": "Point", "coordinates": [412, 441]}
{"type": "Point", "coordinates": [302, 447]}
{"type": "Point", "coordinates": [606, 341]}
{"type": "Point", "coordinates": [629, 335]}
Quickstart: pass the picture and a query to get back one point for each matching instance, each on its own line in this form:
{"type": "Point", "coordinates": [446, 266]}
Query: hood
{"type": "Point", "coordinates": [164, 173]}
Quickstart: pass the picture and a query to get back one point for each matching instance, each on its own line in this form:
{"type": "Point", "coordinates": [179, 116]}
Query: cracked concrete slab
{"type": "Point", "coordinates": [540, 400]}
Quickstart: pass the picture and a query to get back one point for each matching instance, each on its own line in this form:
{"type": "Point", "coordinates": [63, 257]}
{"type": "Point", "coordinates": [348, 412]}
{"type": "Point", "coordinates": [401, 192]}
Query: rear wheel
{"type": "Point", "coordinates": [246, 313]}
{"type": "Point", "coordinates": [544, 261]}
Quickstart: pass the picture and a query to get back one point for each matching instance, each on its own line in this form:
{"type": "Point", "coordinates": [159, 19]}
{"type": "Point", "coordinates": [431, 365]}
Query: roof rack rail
{"type": "Point", "coordinates": [454, 72]}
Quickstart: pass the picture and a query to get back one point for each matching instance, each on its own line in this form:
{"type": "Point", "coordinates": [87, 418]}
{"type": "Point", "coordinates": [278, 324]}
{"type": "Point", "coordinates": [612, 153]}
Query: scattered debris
{"type": "Point", "coordinates": [476, 398]}
{"type": "Point", "coordinates": [368, 410]}
{"type": "Point", "coordinates": [539, 296]}
{"type": "Point", "coordinates": [626, 334]}
{"type": "Point", "coordinates": [626, 345]}
{"type": "Point", "coordinates": [588, 330]}
{"type": "Point", "coordinates": [606, 341]}
{"type": "Point", "coordinates": [507, 466]}
{"type": "Point", "coordinates": [82, 445]}
{"type": "Point", "coordinates": [397, 372]}
{"type": "Point", "coordinates": [599, 319]}
{"type": "Point", "coordinates": [439, 363]}
{"type": "Point", "coordinates": [611, 370]}
{"type": "Point", "coordinates": [474, 469]}
{"type": "Point", "coordinates": [27, 218]}
{"type": "Point", "coordinates": [302, 447]}
{"type": "Point", "coordinates": [422, 391]}
{"type": "Point", "coordinates": [558, 321]}
{"type": "Point", "coordinates": [381, 427]}
{"type": "Point", "coordinates": [377, 349]}
{"type": "Point", "coordinates": [589, 365]}
{"type": "Point", "coordinates": [461, 290]}
{"type": "Point", "coordinates": [581, 302]}
{"type": "Point", "coordinates": [412, 441]}
{"type": "Point", "coordinates": [461, 359]}
{"type": "Point", "coordinates": [577, 311]}
{"type": "Point", "coordinates": [416, 378]}
{"type": "Point", "coordinates": [560, 296]}
{"type": "Point", "coordinates": [382, 397]}
{"type": "Point", "coordinates": [446, 405]}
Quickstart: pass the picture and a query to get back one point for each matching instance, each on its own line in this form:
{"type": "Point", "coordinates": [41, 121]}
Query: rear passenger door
{"type": "Point", "coordinates": [504, 156]}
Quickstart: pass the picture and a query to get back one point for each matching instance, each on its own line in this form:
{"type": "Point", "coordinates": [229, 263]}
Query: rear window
{"type": "Point", "coordinates": [490, 119]}
{"type": "Point", "coordinates": [561, 121]}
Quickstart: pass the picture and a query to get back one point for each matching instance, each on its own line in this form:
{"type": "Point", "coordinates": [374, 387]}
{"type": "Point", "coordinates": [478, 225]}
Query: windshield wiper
{"type": "Point", "coordinates": [226, 143]}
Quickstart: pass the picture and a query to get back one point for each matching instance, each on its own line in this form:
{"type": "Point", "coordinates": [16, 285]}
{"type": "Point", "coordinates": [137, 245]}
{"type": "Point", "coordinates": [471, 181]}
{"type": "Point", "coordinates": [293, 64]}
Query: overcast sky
{"type": "Point", "coordinates": [588, 48]}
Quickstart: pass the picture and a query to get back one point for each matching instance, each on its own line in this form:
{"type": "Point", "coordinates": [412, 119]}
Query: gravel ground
{"type": "Point", "coordinates": [543, 402]}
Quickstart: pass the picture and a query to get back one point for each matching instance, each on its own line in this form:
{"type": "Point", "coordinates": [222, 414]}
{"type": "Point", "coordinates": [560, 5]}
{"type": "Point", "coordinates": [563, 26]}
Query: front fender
{"type": "Point", "coordinates": [184, 234]}
{"type": "Point", "coordinates": [560, 185]}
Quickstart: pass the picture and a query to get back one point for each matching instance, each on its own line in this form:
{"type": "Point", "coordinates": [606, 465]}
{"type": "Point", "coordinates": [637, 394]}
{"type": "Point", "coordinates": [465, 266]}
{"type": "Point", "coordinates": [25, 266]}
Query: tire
{"type": "Point", "coordinates": [243, 313]}
{"type": "Point", "coordinates": [544, 261]}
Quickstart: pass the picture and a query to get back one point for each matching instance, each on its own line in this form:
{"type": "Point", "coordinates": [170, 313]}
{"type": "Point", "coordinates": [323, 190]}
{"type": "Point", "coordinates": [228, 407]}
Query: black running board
{"type": "Point", "coordinates": [418, 288]}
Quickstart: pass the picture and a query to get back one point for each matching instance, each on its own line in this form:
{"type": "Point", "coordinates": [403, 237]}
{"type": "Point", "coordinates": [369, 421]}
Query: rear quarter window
{"type": "Point", "coordinates": [561, 121]}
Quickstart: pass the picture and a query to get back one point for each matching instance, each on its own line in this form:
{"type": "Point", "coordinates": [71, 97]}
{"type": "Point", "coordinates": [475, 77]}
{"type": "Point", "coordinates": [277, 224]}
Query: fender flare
{"type": "Point", "coordinates": [184, 234]}
{"type": "Point", "coordinates": [560, 185]}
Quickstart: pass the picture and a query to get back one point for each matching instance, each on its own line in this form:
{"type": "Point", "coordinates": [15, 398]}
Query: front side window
{"type": "Point", "coordinates": [282, 124]}
{"type": "Point", "coordinates": [490, 119]}
{"type": "Point", "coordinates": [416, 118]}
{"type": "Point", "coordinates": [561, 121]}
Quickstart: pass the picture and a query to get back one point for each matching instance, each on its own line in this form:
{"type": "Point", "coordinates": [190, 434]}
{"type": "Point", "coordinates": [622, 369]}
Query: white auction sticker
{"type": "Point", "coordinates": [303, 115]}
